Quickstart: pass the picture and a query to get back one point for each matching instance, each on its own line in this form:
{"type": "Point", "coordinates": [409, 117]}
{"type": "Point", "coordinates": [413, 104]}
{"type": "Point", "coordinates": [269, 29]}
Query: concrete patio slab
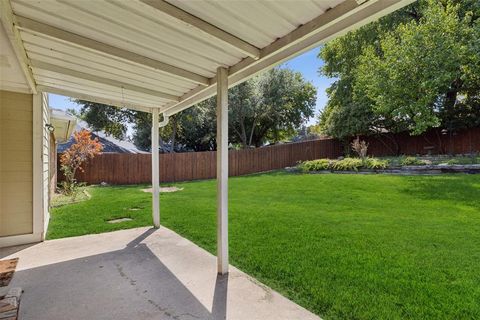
{"type": "Point", "coordinates": [139, 274]}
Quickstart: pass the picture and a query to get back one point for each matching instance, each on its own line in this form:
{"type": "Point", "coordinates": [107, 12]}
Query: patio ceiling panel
{"type": "Point", "coordinates": [73, 83]}
{"type": "Point", "coordinates": [51, 51]}
{"type": "Point", "coordinates": [257, 22]}
{"type": "Point", "coordinates": [137, 30]}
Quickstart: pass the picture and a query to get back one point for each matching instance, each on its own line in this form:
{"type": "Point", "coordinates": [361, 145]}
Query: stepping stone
{"type": "Point", "coordinates": [119, 220]}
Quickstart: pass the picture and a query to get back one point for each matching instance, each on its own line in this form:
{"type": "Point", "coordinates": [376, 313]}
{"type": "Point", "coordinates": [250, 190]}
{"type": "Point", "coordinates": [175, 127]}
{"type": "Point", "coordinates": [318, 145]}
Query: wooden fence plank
{"type": "Point", "coordinates": [115, 168]}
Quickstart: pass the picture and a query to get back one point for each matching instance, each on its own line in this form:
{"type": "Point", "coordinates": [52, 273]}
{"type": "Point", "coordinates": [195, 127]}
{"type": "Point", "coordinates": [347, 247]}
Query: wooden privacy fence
{"type": "Point", "coordinates": [434, 141]}
{"type": "Point", "coordinates": [121, 168]}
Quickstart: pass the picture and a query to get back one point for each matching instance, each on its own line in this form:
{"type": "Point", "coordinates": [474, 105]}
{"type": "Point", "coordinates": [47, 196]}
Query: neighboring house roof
{"type": "Point", "coordinates": [63, 125]}
{"type": "Point", "coordinates": [109, 143]}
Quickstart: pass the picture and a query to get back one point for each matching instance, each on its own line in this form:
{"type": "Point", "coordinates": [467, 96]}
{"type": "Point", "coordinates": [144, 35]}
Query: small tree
{"type": "Point", "coordinates": [360, 148]}
{"type": "Point", "coordinates": [84, 149]}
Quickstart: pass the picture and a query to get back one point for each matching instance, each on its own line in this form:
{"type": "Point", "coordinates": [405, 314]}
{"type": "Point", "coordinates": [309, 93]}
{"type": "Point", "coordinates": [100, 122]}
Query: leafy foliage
{"type": "Point", "coordinates": [412, 161]}
{"type": "Point", "coordinates": [376, 164]}
{"type": "Point", "coordinates": [473, 159]}
{"type": "Point", "coordinates": [316, 165]}
{"type": "Point", "coordinates": [110, 119]}
{"type": "Point", "coordinates": [268, 108]}
{"type": "Point", "coordinates": [285, 101]}
{"type": "Point", "coordinates": [84, 149]}
{"type": "Point", "coordinates": [412, 70]}
{"type": "Point", "coordinates": [348, 164]}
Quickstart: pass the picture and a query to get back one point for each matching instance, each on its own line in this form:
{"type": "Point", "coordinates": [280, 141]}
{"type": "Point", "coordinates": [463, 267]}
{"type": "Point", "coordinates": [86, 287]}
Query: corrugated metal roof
{"type": "Point", "coordinates": [258, 22]}
{"type": "Point", "coordinates": [152, 53]}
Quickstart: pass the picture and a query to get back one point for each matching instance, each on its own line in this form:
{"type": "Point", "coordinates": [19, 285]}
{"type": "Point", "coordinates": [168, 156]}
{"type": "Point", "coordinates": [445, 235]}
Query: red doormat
{"type": "Point", "coordinates": [7, 268]}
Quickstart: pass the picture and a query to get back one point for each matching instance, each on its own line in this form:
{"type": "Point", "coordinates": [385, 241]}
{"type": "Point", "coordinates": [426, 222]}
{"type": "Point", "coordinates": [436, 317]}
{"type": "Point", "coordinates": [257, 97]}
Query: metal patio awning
{"type": "Point", "coordinates": [165, 56]}
{"type": "Point", "coordinates": [146, 54]}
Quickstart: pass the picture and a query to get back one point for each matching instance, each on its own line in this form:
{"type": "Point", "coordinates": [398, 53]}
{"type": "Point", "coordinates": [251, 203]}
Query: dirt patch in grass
{"type": "Point", "coordinates": [119, 220]}
{"type": "Point", "coordinates": [164, 189]}
{"type": "Point", "coordinates": [60, 199]}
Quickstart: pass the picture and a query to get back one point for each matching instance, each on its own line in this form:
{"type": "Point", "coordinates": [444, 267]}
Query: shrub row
{"type": "Point", "coordinates": [413, 161]}
{"type": "Point", "coordinates": [354, 164]}
{"type": "Point", "coordinates": [347, 164]}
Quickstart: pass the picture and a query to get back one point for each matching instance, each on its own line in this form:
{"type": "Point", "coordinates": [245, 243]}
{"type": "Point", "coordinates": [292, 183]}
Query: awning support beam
{"type": "Point", "coordinates": [155, 170]}
{"type": "Point", "coordinates": [222, 170]}
{"type": "Point", "coordinates": [8, 20]}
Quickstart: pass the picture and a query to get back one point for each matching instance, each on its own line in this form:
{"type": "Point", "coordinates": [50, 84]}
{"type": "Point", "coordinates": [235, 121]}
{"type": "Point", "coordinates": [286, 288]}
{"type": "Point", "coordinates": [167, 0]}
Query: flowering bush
{"type": "Point", "coordinates": [84, 149]}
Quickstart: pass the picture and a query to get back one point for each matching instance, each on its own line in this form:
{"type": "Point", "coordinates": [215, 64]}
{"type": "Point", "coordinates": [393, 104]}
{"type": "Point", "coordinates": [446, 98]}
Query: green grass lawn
{"type": "Point", "coordinates": [343, 246]}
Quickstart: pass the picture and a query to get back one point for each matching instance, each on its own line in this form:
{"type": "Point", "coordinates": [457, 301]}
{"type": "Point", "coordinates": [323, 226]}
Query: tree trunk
{"type": "Point", "coordinates": [174, 134]}
{"type": "Point", "coordinates": [243, 134]}
{"type": "Point", "coordinates": [251, 133]}
{"type": "Point", "coordinates": [393, 139]}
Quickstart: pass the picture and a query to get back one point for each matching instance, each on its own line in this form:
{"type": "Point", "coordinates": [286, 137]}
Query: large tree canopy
{"type": "Point", "coordinates": [270, 107]}
{"type": "Point", "coordinates": [413, 70]}
{"type": "Point", "coordinates": [110, 119]}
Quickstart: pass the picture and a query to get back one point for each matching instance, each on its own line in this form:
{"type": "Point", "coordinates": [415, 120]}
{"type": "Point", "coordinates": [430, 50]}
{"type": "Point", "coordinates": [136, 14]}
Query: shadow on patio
{"type": "Point", "coordinates": [138, 274]}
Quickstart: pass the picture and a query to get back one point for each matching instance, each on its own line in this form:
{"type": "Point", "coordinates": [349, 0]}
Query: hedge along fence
{"type": "Point", "coordinates": [122, 168]}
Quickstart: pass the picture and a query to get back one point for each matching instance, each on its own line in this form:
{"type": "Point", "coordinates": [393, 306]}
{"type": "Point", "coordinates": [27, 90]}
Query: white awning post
{"type": "Point", "coordinates": [155, 170]}
{"type": "Point", "coordinates": [222, 170]}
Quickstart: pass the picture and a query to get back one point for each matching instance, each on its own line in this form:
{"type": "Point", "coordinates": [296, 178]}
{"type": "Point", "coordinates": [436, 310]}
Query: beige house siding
{"type": "Point", "coordinates": [16, 169]}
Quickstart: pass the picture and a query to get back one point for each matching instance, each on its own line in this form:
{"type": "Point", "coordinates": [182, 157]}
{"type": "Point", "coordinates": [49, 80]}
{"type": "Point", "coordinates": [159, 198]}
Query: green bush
{"type": "Point", "coordinates": [316, 165]}
{"type": "Point", "coordinates": [348, 164]}
{"type": "Point", "coordinates": [454, 161]}
{"type": "Point", "coordinates": [462, 160]}
{"type": "Point", "coordinates": [374, 163]}
{"type": "Point", "coordinates": [412, 161]}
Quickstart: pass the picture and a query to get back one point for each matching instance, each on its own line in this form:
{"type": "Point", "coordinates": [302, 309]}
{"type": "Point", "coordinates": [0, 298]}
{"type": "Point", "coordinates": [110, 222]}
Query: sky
{"type": "Point", "coordinates": [307, 63]}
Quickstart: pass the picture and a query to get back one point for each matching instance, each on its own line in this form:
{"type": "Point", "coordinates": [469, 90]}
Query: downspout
{"type": "Point", "coordinates": [164, 122]}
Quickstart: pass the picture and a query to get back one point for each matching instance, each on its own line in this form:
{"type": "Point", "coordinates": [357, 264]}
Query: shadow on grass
{"type": "Point", "coordinates": [460, 188]}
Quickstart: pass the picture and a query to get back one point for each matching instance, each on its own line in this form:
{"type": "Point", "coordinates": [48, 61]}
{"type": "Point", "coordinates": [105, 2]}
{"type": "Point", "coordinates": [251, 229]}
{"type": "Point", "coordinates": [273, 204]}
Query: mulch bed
{"type": "Point", "coordinates": [10, 299]}
{"type": "Point", "coordinates": [7, 269]}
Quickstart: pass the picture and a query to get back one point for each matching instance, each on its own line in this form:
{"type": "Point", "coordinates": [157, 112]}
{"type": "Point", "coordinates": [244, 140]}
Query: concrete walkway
{"type": "Point", "coordinates": [138, 274]}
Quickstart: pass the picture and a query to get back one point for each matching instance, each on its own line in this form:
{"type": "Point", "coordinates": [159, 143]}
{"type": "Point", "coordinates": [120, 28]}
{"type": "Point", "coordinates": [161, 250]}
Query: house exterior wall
{"type": "Point", "coordinates": [16, 168]}
{"type": "Point", "coordinates": [24, 167]}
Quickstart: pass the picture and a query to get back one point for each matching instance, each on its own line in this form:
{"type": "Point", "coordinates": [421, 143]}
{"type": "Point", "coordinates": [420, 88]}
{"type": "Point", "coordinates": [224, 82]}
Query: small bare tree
{"type": "Point", "coordinates": [360, 147]}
